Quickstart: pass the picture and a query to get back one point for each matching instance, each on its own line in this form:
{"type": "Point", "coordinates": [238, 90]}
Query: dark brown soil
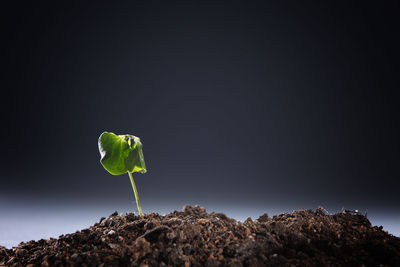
{"type": "Point", "coordinates": [194, 237]}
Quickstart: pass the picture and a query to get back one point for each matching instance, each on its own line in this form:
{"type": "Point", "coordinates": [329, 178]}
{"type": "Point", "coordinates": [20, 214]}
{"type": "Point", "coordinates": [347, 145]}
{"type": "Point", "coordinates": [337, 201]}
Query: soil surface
{"type": "Point", "coordinates": [193, 237]}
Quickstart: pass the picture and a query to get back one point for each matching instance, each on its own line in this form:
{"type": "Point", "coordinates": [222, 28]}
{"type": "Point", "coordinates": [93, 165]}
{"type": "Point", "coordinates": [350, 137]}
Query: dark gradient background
{"type": "Point", "coordinates": [243, 108]}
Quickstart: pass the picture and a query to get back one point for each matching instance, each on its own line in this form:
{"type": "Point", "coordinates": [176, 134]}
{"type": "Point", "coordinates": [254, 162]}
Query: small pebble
{"type": "Point", "coordinates": [112, 232]}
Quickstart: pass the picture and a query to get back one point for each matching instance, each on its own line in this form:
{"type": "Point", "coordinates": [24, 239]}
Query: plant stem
{"type": "Point", "coordinates": [136, 194]}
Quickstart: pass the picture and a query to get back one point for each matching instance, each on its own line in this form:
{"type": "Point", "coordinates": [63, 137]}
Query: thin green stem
{"type": "Point", "coordinates": [136, 194]}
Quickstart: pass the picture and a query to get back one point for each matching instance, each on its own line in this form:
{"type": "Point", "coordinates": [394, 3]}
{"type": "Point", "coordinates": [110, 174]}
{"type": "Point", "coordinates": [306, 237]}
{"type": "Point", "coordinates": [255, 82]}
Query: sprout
{"type": "Point", "coordinates": [122, 154]}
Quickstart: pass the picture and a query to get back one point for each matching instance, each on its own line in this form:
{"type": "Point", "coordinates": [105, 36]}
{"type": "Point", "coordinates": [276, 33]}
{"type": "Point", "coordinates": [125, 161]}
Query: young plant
{"type": "Point", "coordinates": [122, 154]}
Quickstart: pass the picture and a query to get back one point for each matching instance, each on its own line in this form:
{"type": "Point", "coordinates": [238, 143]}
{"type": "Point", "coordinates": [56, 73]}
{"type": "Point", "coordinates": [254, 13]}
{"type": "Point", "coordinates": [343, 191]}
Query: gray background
{"type": "Point", "coordinates": [243, 108]}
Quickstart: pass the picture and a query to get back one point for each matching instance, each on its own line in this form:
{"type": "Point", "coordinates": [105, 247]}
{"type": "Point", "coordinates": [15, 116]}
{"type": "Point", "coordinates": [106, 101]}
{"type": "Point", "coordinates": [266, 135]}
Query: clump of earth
{"type": "Point", "coordinates": [193, 237]}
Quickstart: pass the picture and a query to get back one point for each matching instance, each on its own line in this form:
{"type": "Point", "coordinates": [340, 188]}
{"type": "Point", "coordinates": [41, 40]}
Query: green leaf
{"type": "Point", "coordinates": [121, 153]}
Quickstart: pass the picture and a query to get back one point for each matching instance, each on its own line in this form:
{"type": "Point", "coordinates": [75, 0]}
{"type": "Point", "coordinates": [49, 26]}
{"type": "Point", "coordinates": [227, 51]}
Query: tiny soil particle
{"type": "Point", "coordinates": [193, 237]}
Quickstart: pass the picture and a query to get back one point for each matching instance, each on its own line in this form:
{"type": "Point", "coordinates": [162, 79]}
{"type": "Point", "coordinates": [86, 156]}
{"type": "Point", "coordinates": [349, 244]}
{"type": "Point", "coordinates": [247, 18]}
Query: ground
{"type": "Point", "coordinates": [193, 237]}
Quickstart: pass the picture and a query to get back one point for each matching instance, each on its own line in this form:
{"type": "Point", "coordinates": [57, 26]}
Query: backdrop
{"type": "Point", "coordinates": [243, 108]}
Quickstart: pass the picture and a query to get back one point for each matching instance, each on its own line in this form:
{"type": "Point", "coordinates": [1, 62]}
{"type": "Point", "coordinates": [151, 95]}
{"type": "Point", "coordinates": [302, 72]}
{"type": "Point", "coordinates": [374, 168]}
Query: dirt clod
{"type": "Point", "coordinates": [193, 237]}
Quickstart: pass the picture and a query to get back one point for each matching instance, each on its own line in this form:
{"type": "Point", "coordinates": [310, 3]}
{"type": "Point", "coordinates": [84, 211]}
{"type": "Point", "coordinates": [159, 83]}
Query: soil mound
{"type": "Point", "coordinates": [193, 237]}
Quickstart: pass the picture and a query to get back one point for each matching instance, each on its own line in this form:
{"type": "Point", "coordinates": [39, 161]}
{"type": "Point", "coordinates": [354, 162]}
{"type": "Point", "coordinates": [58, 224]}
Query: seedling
{"type": "Point", "coordinates": [122, 154]}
